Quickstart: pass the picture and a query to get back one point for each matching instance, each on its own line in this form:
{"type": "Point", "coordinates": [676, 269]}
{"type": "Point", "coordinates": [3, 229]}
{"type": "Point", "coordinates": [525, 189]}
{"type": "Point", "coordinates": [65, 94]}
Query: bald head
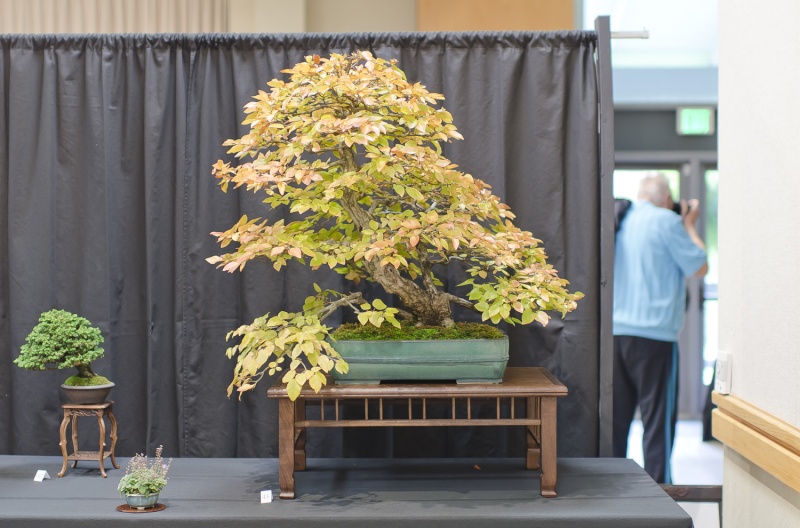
{"type": "Point", "coordinates": [655, 188]}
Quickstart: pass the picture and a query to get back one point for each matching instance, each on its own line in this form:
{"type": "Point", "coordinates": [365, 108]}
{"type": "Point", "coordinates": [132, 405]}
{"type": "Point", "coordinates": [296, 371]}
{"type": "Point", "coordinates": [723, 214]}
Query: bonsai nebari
{"type": "Point", "coordinates": [61, 340]}
{"type": "Point", "coordinates": [354, 150]}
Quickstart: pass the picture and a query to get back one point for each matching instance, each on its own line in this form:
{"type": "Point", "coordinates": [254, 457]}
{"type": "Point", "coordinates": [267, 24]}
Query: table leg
{"type": "Point", "coordinates": [101, 424]}
{"type": "Point", "coordinates": [300, 443]}
{"type": "Point", "coordinates": [74, 438]}
{"type": "Point", "coordinates": [63, 442]}
{"type": "Point", "coordinates": [532, 455]}
{"type": "Point", "coordinates": [286, 420]}
{"type": "Point", "coordinates": [113, 436]}
{"type": "Point", "coordinates": [549, 447]}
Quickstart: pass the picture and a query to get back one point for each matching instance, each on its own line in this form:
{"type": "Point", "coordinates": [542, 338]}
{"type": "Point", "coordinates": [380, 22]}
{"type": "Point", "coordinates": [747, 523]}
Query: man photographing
{"type": "Point", "coordinates": [656, 249]}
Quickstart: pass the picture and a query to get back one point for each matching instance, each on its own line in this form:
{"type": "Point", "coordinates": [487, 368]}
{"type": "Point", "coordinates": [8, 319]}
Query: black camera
{"type": "Point", "coordinates": [677, 207]}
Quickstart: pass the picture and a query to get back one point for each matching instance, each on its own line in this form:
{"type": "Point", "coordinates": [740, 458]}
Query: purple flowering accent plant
{"type": "Point", "coordinates": [143, 476]}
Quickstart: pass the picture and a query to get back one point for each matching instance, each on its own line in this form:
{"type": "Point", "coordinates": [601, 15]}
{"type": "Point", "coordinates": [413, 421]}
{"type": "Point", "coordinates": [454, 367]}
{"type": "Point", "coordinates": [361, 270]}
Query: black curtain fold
{"type": "Point", "coordinates": [107, 202]}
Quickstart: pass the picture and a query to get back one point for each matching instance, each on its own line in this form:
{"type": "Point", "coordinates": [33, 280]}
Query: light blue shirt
{"type": "Point", "coordinates": [653, 256]}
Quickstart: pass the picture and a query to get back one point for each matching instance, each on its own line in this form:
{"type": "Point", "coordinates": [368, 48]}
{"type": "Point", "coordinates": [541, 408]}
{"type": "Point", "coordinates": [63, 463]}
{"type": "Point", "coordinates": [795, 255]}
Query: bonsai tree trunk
{"type": "Point", "coordinates": [430, 306]}
{"type": "Point", "coordinates": [430, 309]}
{"type": "Point", "coordinates": [85, 370]}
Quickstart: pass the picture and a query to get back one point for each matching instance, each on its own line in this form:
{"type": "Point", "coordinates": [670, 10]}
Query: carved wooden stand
{"type": "Point", "coordinates": [71, 414]}
{"type": "Point", "coordinates": [535, 386]}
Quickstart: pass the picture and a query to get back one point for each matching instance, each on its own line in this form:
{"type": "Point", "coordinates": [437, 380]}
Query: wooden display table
{"type": "Point", "coordinates": [74, 411]}
{"type": "Point", "coordinates": [534, 386]}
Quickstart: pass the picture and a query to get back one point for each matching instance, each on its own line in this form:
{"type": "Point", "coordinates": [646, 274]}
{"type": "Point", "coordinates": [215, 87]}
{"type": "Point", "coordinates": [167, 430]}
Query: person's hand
{"type": "Point", "coordinates": [691, 211]}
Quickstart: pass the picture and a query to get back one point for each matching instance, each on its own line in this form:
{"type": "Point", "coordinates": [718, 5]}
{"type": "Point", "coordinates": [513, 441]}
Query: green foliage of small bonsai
{"type": "Point", "coordinates": [143, 476]}
{"type": "Point", "coordinates": [61, 340]}
{"type": "Point", "coordinates": [354, 151]}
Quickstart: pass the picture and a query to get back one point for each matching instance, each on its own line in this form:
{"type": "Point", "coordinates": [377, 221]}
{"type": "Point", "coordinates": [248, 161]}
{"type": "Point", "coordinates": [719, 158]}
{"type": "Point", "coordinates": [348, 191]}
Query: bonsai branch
{"type": "Point", "coordinates": [348, 300]}
{"type": "Point", "coordinates": [461, 302]}
{"type": "Point", "coordinates": [377, 202]}
{"type": "Point", "coordinates": [353, 300]}
{"type": "Point", "coordinates": [427, 272]}
{"type": "Point", "coordinates": [408, 316]}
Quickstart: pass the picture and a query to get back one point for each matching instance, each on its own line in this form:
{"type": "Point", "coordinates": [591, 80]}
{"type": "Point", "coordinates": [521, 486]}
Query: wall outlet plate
{"type": "Point", "coordinates": [266, 496]}
{"type": "Point", "coordinates": [722, 376]}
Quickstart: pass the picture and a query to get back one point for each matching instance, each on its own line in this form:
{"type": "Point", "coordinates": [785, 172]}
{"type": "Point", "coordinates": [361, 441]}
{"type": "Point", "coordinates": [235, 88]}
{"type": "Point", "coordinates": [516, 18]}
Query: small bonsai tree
{"type": "Point", "coordinates": [354, 149]}
{"type": "Point", "coordinates": [61, 340]}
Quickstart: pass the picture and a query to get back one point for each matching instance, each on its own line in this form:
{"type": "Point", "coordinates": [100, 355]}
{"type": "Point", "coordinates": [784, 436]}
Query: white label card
{"type": "Point", "coordinates": [41, 475]}
{"type": "Point", "coordinates": [266, 496]}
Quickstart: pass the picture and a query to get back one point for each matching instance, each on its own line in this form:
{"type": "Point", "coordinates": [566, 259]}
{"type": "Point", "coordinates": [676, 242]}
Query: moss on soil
{"type": "Point", "coordinates": [357, 332]}
{"type": "Point", "coordinates": [78, 381]}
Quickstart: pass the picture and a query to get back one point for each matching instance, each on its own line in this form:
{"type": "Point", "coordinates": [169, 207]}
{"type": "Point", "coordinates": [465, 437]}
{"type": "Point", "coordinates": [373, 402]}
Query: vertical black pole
{"type": "Point", "coordinates": [606, 169]}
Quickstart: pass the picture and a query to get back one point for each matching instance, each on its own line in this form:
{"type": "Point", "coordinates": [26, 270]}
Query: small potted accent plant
{"type": "Point", "coordinates": [354, 151]}
{"type": "Point", "coordinates": [62, 339]}
{"type": "Point", "coordinates": [144, 479]}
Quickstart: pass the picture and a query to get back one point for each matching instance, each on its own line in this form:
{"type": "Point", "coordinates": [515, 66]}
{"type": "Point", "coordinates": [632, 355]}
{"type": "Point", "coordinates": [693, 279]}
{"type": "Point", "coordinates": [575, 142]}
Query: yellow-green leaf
{"type": "Point", "coordinates": [325, 363]}
{"type": "Point", "coordinates": [527, 316]}
{"type": "Point", "coordinates": [293, 389]}
{"type": "Point", "coordinates": [415, 194]}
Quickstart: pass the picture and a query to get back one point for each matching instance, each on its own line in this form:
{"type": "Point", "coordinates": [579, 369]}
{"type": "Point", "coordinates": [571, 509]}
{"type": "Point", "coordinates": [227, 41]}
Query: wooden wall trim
{"type": "Point", "coordinates": [763, 439]}
{"type": "Point", "coordinates": [495, 15]}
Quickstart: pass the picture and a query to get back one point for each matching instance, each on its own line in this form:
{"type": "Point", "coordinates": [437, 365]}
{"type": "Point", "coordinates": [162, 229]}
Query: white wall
{"type": "Point", "coordinates": [759, 210]}
{"type": "Point", "coordinates": [321, 16]}
{"type": "Point", "coordinates": [266, 16]}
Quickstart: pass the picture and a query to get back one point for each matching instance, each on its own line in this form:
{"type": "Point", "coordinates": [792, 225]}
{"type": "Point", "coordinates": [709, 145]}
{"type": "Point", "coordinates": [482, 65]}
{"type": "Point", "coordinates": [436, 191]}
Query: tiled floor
{"type": "Point", "coordinates": [693, 462]}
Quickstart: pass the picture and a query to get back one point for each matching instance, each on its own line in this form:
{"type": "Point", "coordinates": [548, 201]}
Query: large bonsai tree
{"type": "Point", "coordinates": [354, 149]}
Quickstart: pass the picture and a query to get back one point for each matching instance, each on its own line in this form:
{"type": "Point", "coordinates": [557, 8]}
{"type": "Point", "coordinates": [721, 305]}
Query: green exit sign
{"type": "Point", "coordinates": [695, 121]}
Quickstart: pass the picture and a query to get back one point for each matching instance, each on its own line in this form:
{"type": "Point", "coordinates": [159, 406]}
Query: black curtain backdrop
{"type": "Point", "coordinates": [107, 202]}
